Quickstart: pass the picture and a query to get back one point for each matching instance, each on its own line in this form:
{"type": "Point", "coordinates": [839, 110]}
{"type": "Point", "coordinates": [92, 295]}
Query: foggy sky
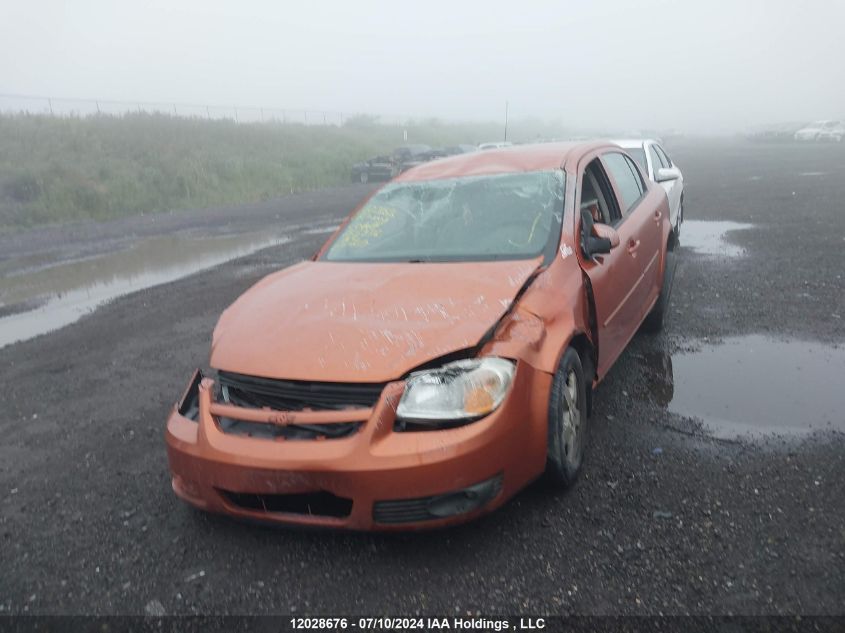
{"type": "Point", "coordinates": [705, 66]}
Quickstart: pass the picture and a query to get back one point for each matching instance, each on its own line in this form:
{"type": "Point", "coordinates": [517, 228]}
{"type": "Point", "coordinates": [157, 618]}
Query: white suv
{"type": "Point", "coordinates": [655, 163]}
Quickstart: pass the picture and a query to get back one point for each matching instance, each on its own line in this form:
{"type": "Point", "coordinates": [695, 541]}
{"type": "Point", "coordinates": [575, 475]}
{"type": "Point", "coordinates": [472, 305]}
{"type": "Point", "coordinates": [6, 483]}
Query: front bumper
{"type": "Point", "coordinates": [375, 479]}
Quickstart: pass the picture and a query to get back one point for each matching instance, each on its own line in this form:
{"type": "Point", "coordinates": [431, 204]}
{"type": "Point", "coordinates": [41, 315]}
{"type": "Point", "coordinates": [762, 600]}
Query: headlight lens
{"type": "Point", "coordinates": [458, 391]}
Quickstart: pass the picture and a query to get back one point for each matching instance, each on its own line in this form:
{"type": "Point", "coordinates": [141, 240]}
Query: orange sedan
{"type": "Point", "coordinates": [438, 353]}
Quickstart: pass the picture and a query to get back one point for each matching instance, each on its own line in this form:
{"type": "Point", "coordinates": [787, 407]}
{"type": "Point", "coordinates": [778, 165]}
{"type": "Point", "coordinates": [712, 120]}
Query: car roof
{"type": "Point", "coordinates": [514, 159]}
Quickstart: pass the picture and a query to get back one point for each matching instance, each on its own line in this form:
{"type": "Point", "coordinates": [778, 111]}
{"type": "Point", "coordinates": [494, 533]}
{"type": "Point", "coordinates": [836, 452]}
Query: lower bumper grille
{"type": "Point", "coordinates": [310, 503]}
{"type": "Point", "coordinates": [438, 506]}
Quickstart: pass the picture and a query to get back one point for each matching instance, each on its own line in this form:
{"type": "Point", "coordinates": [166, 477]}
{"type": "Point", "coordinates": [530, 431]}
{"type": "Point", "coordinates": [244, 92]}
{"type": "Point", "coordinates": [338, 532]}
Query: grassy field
{"type": "Point", "coordinates": [65, 169]}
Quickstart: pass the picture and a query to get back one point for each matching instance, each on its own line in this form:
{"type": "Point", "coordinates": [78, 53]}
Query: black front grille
{"type": "Point", "coordinates": [295, 395]}
{"type": "Point", "coordinates": [309, 503]}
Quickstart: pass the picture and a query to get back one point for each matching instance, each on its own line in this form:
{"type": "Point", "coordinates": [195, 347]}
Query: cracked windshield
{"type": "Point", "coordinates": [483, 217]}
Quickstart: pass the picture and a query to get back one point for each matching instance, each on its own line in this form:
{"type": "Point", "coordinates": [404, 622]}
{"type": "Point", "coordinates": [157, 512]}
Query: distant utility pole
{"type": "Point", "coordinates": [506, 120]}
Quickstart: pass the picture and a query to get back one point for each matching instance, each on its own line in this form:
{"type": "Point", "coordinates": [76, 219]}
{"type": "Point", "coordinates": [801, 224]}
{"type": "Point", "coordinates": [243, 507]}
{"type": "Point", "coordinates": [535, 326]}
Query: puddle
{"type": "Point", "coordinates": [65, 292]}
{"type": "Point", "coordinates": [709, 238]}
{"type": "Point", "coordinates": [753, 385]}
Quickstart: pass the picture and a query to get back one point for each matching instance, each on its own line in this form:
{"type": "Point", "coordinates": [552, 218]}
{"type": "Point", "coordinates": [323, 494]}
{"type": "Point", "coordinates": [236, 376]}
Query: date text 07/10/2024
{"type": "Point", "coordinates": [477, 624]}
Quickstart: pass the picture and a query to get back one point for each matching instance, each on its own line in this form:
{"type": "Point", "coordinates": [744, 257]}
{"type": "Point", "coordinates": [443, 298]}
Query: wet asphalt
{"type": "Point", "coordinates": [666, 518]}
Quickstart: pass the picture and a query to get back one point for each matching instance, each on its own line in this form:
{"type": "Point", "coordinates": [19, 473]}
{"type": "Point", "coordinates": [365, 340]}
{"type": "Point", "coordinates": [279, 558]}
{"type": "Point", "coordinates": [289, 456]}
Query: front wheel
{"type": "Point", "coordinates": [567, 421]}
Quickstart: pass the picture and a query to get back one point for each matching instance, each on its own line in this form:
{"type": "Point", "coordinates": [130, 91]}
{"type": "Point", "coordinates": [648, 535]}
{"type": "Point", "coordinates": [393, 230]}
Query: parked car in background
{"type": "Point", "coordinates": [438, 354]}
{"type": "Point", "coordinates": [383, 168]}
{"type": "Point", "coordinates": [494, 145]}
{"type": "Point", "coordinates": [655, 163]}
{"type": "Point", "coordinates": [434, 154]}
{"type": "Point", "coordinates": [774, 133]}
{"type": "Point", "coordinates": [409, 156]}
{"type": "Point", "coordinates": [376, 169]}
{"type": "Point", "coordinates": [828, 130]}
{"type": "Point", "coordinates": [453, 150]}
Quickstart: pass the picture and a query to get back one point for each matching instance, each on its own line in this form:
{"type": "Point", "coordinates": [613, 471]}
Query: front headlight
{"type": "Point", "coordinates": [459, 391]}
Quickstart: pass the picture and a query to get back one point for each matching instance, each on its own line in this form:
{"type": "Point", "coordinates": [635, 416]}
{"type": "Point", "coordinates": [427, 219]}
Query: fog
{"type": "Point", "coordinates": [704, 67]}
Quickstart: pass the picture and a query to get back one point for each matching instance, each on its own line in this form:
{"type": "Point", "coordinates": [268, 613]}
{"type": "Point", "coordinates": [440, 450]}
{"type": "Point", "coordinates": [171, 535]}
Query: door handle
{"type": "Point", "coordinates": [633, 245]}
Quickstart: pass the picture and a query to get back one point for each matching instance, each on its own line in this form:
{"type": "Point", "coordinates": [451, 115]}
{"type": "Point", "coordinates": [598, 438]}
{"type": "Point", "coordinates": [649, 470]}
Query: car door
{"type": "Point", "coordinates": [615, 277]}
{"type": "Point", "coordinates": [643, 224]}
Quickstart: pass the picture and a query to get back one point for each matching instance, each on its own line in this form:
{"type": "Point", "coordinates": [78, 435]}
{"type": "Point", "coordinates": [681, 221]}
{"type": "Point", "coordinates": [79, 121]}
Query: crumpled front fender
{"type": "Point", "coordinates": [553, 310]}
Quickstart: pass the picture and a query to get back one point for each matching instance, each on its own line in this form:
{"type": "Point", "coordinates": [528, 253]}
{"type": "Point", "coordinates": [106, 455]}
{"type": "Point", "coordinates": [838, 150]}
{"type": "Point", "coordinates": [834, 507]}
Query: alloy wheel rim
{"type": "Point", "coordinates": [571, 421]}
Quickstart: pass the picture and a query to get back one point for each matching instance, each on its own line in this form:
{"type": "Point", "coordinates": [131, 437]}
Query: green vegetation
{"type": "Point", "coordinates": [99, 167]}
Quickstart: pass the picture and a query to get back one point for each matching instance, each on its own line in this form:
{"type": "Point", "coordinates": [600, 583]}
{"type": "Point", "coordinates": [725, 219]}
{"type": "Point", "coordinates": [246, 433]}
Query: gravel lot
{"type": "Point", "coordinates": [88, 523]}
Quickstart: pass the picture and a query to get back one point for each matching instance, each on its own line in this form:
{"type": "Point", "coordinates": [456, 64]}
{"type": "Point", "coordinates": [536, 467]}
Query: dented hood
{"type": "Point", "coordinates": [362, 322]}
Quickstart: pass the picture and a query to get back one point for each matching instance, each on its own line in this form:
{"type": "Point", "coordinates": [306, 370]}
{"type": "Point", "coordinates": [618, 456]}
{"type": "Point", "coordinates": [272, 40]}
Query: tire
{"type": "Point", "coordinates": [567, 432]}
{"type": "Point", "coordinates": [677, 229]}
{"type": "Point", "coordinates": [365, 177]}
{"type": "Point", "coordinates": [654, 321]}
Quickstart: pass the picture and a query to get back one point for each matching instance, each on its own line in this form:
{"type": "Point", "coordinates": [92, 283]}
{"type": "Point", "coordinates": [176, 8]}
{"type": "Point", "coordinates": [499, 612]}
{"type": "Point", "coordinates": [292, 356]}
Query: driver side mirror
{"type": "Point", "coordinates": [601, 240]}
{"type": "Point", "coordinates": [606, 232]}
{"type": "Point", "coordinates": [667, 173]}
{"type": "Point", "coordinates": [596, 238]}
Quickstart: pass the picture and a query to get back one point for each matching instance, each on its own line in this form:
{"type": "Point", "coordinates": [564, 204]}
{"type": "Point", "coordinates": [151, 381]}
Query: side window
{"type": "Point", "coordinates": [664, 156]}
{"type": "Point", "coordinates": [656, 161]}
{"type": "Point", "coordinates": [627, 179]}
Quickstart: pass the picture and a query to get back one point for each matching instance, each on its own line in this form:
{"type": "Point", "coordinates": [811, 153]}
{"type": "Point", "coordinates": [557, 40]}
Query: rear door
{"type": "Point", "coordinates": [644, 223]}
{"type": "Point", "coordinates": [615, 277]}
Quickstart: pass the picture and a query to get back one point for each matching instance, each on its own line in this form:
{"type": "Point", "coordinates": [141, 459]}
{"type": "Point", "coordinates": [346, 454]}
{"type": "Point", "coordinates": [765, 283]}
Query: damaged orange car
{"type": "Point", "coordinates": [438, 353]}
